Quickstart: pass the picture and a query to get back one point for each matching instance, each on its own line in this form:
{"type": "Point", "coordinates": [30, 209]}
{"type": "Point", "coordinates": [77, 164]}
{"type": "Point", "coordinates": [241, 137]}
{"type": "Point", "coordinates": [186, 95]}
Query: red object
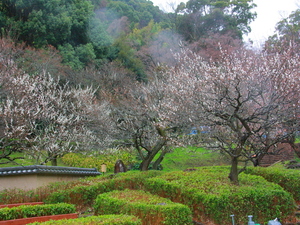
{"type": "Point", "coordinates": [39, 219]}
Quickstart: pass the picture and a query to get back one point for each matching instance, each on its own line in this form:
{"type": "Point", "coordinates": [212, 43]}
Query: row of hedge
{"type": "Point", "coordinates": [10, 196]}
{"type": "Point", "coordinates": [99, 220]}
{"type": "Point", "coordinates": [289, 179]}
{"type": "Point", "coordinates": [151, 209]}
{"type": "Point", "coordinates": [84, 196]}
{"type": "Point", "coordinates": [212, 197]}
{"type": "Point", "coordinates": [66, 190]}
{"type": "Point", "coordinates": [85, 161]}
{"type": "Point", "coordinates": [207, 192]}
{"type": "Point", "coordinates": [25, 211]}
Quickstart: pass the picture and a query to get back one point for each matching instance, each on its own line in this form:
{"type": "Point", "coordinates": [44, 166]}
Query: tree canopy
{"type": "Point", "coordinates": [201, 18]}
{"type": "Point", "coordinates": [286, 35]}
{"type": "Point", "coordinates": [89, 32]}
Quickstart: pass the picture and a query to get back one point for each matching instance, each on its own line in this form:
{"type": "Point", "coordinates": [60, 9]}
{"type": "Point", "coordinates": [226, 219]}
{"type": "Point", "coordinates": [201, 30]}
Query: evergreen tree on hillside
{"type": "Point", "coordinates": [201, 18]}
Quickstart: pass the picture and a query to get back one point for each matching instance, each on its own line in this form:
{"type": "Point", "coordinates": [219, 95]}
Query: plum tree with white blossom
{"type": "Point", "coordinates": [249, 102]}
{"type": "Point", "coordinates": [41, 116]}
{"type": "Point", "coordinates": [147, 116]}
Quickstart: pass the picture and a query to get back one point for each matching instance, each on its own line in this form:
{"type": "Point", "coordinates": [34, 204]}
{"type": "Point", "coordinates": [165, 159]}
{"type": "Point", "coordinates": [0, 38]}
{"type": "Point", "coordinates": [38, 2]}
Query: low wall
{"type": "Point", "coordinates": [31, 177]}
{"type": "Point", "coordinates": [32, 181]}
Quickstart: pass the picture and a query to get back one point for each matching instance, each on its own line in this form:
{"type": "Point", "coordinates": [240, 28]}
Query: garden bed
{"type": "Point", "coordinates": [151, 209]}
{"type": "Point", "coordinates": [39, 219]}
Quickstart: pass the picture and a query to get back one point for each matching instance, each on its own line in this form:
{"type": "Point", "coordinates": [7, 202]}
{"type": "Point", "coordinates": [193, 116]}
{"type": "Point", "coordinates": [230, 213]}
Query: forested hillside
{"type": "Point", "coordinates": [134, 34]}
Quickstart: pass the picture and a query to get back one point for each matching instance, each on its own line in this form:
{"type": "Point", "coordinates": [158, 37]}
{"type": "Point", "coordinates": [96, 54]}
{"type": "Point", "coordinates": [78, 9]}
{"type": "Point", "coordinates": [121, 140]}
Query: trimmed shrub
{"type": "Point", "coordinates": [9, 196]}
{"type": "Point", "coordinates": [99, 220]}
{"type": "Point", "coordinates": [14, 195]}
{"type": "Point", "coordinates": [152, 209]}
{"type": "Point", "coordinates": [210, 195]}
{"type": "Point", "coordinates": [25, 211]}
{"type": "Point", "coordinates": [286, 178]}
{"type": "Point", "coordinates": [80, 192]}
{"type": "Point", "coordinates": [84, 196]}
{"type": "Point", "coordinates": [80, 160]}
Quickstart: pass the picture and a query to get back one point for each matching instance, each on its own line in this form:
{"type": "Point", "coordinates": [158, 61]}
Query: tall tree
{"type": "Point", "coordinates": [139, 12]}
{"type": "Point", "coordinates": [201, 18]}
{"type": "Point", "coordinates": [53, 22]}
{"type": "Point", "coordinates": [247, 102]}
{"type": "Point", "coordinates": [287, 34]}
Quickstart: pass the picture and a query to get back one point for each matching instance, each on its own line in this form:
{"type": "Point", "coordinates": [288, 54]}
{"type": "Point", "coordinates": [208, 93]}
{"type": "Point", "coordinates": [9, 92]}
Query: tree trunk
{"type": "Point", "coordinates": [54, 161]}
{"type": "Point", "coordinates": [160, 158]}
{"type": "Point", "coordinates": [144, 166]}
{"type": "Point", "coordinates": [234, 173]}
{"type": "Point", "coordinates": [256, 162]}
{"type": "Point", "coordinates": [297, 149]}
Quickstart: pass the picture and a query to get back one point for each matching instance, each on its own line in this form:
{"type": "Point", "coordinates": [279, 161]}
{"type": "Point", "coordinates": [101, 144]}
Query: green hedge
{"type": "Point", "coordinates": [92, 220]}
{"type": "Point", "coordinates": [9, 196]}
{"type": "Point", "coordinates": [207, 191]}
{"type": "Point", "coordinates": [25, 211]}
{"type": "Point", "coordinates": [86, 161]}
{"type": "Point", "coordinates": [211, 196]}
{"type": "Point", "coordinates": [150, 208]}
{"type": "Point", "coordinates": [289, 179]}
{"type": "Point", "coordinates": [84, 196]}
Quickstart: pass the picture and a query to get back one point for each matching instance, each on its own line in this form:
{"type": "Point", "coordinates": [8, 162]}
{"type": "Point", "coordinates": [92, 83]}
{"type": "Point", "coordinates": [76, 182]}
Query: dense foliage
{"type": "Point", "coordinates": [203, 18]}
{"type": "Point", "coordinates": [88, 32]}
{"type": "Point", "coordinates": [287, 34]}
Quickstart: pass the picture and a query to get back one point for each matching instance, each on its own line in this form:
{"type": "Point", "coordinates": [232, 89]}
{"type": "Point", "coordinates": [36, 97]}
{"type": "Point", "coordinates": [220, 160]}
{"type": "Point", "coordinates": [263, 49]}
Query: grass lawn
{"type": "Point", "coordinates": [182, 158]}
{"type": "Point", "coordinates": [179, 159]}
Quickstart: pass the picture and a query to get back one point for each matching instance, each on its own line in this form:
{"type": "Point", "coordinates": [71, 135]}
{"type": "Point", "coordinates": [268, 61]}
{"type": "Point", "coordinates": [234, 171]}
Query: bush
{"type": "Point", "coordinates": [25, 211]}
{"type": "Point", "coordinates": [206, 191]}
{"type": "Point", "coordinates": [150, 208]}
{"type": "Point", "coordinates": [84, 196]}
{"type": "Point", "coordinates": [100, 220]}
{"type": "Point", "coordinates": [15, 195]}
{"type": "Point", "coordinates": [286, 178]}
{"type": "Point", "coordinates": [79, 192]}
{"type": "Point", "coordinates": [211, 196]}
{"type": "Point", "coordinates": [9, 196]}
{"type": "Point", "coordinates": [80, 160]}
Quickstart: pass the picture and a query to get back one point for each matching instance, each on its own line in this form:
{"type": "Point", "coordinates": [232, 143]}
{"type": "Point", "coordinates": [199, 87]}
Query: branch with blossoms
{"type": "Point", "coordinates": [47, 118]}
{"type": "Point", "coordinates": [249, 101]}
{"type": "Point", "coordinates": [148, 117]}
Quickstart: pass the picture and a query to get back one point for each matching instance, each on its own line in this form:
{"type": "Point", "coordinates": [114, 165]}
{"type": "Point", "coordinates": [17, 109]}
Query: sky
{"type": "Point", "coordinates": [269, 12]}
